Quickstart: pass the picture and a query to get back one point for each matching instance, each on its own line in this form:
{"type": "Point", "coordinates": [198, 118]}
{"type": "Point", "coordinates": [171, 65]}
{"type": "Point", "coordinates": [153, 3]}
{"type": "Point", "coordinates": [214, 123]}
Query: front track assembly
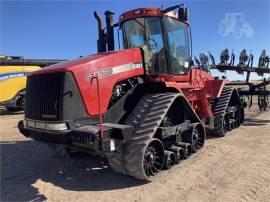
{"type": "Point", "coordinates": [148, 152]}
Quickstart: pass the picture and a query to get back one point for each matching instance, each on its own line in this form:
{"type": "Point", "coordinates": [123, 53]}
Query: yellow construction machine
{"type": "Point", "coordinates": [13, 72]}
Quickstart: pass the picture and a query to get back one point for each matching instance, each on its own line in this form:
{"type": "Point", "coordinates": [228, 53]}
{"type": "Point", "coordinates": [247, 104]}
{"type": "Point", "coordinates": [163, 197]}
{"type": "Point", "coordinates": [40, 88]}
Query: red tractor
{"type": "Point", "coordinates": [144, 108]}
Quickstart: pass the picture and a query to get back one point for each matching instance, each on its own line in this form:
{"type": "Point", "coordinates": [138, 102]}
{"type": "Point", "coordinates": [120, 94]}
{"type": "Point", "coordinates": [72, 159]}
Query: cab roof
{"type": "Point", "coordinates": [146, 12]}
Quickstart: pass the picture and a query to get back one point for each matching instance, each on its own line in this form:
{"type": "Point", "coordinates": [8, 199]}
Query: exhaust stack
{"type": "Point", "coordinates": [105, 41]}
{"type": "Point", "coordinates": [101, 43]}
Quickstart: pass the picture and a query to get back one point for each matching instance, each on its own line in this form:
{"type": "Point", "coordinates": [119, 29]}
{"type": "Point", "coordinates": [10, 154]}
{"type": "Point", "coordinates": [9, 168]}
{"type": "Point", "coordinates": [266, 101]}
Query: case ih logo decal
{"type": "Point", "coordinates": [113, 70]}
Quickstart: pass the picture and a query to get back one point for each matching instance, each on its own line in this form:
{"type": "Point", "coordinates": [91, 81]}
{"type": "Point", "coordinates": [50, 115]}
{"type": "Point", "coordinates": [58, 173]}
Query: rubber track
{"type": "Point", "coordinates": [219, 109]}
{"type": "Point", "coordinates": [145, 118]}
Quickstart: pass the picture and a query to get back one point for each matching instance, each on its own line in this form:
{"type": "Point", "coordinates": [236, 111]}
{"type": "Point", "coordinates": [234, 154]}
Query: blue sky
{"type": "Point", "coordinates": [67, 29]}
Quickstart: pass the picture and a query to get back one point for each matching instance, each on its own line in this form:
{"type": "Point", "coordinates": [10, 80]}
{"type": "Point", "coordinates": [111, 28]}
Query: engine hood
{"type": "Point", "coordinates": [95, 62]}
{"type": "Point", "coordinates": [107, 68]}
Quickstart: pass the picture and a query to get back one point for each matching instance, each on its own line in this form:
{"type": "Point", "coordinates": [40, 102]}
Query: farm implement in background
{"type": "Point", "coordinates": [247, 89]}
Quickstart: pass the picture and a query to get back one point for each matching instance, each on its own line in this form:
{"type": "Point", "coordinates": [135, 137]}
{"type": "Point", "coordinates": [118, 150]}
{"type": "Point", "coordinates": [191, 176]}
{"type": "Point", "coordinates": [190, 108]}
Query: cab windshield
{"type": "Point", "coordinates": [147, 33]}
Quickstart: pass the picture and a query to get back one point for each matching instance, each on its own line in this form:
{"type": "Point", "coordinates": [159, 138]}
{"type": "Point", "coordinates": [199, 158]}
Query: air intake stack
{"type": "Point", "coordinates": [110, 34]}
{"type": "Point", "coordinates": [105, 41]}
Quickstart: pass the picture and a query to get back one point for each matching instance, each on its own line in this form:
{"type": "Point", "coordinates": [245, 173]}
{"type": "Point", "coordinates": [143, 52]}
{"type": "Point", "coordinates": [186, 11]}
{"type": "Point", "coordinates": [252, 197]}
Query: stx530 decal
{"type": "Point", "coordinates": [113, 70]}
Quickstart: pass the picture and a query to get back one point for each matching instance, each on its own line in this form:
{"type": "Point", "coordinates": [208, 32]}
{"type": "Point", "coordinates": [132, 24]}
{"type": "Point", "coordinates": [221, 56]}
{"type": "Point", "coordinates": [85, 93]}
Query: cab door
{"type": "Point", "coordinates": [178, 46]}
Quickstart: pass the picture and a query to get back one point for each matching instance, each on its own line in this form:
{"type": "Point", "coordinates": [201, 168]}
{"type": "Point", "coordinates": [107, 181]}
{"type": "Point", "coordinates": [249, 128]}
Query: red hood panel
{"type": "Point", "coordinates": [110, 68]}
{"type": "Point", "coordinates": [90, 60]}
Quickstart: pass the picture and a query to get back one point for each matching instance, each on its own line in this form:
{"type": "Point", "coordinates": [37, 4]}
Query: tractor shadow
{"type": "Point", "coordinates": [255, 122]}
{"type": "Point", "coordinates": [27, 164]}
{"type": "Point", "coordinates": [5, 112]}
{"type": "Point", "coordinates": [247, 122]}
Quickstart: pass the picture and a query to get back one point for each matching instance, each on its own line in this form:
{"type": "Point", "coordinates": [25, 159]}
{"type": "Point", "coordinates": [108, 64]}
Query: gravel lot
{"type": "Point", "coordinates": [234, 168]}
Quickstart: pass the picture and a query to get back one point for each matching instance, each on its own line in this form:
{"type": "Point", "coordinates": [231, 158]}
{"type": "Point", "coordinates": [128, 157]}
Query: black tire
{"type": "Point", "coordinates": [225, 126]}
{"type": "Point", "coordinates": [115, 160]}
{"type": "Point", "coordinates": [179, 153]}
{"type": "Point", "coordinates": [195, 136]}
{"type": "Point", "coordinates": [169, 160]}
{"type": "Point", "coordinates": [137, 162]}
{"type": "Point", "coordinates": [19, 105]}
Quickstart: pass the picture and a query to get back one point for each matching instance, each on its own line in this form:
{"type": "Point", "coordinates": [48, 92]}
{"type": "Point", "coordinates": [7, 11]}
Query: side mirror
{"type": "Point", "coordinates": [191, 62]}
{"type": "Point", "coordinates": [198, 63]}
{"type": "Point", "coordinates": [183, 13]}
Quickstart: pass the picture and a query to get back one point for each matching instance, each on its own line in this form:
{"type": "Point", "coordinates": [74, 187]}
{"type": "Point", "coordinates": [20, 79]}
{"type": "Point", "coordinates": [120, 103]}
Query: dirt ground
{"type": "Point", "coordinates": [233, 168]}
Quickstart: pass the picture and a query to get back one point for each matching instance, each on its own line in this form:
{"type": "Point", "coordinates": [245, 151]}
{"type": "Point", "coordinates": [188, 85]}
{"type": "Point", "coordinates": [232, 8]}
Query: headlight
{"type": "Point", "coordinates": [45, 125]}
{"type": "Point", "coordinates": [56, 126]}
{"type": "Point", "coordinates": [31, 124]}
{"type": "Point", "coordinates": [41, 125]}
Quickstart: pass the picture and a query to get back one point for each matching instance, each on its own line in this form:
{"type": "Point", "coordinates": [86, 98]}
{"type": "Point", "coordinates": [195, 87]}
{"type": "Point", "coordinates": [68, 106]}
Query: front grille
{"type": "Point", "coordinates": [43, 96]}
{"type": "Point", "coordinates": [53, 97]}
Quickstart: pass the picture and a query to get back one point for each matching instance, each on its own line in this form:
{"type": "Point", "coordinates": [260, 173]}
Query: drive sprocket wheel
{"type": "Point", "coordinates": [226, 124]}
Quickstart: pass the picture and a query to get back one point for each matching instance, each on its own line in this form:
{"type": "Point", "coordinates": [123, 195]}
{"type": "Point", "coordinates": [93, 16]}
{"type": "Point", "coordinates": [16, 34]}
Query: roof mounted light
{"type": "Point", "coordinates": [137, 12]}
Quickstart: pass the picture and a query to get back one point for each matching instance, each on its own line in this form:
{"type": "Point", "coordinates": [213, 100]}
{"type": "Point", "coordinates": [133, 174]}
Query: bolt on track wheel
{"type": "Point", "coordinates": [153, 158]}
{"type": "Point", "coordinates": [170, 159]}
{"type": "Point", "coordinates": [226, 124]}
{"type": "Point", "coordinates": [195, 136]}
{"type": "Point", "coordinates": [197, 140]}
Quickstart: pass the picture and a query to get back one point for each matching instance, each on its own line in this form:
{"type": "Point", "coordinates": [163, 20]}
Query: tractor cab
{"type": "Point", "coordinates": [164, 37]}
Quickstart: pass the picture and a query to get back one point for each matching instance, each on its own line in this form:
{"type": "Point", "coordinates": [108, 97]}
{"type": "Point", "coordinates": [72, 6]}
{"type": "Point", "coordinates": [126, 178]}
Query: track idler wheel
{"type": "Point", "coordinates": [231, 124]}
{"type": "Point", "coordinates": [153, 158]}
{"type": "Point", "coordinates": [195, 136]}
{"type": "Point", "coordinates": [179, 153]}
{"type": "Point", "coordinates": [239, 116]}
{"type": "Point", "coordinates": [186, 147]}
{"type": "Point", "coordinates": [170, 159]}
